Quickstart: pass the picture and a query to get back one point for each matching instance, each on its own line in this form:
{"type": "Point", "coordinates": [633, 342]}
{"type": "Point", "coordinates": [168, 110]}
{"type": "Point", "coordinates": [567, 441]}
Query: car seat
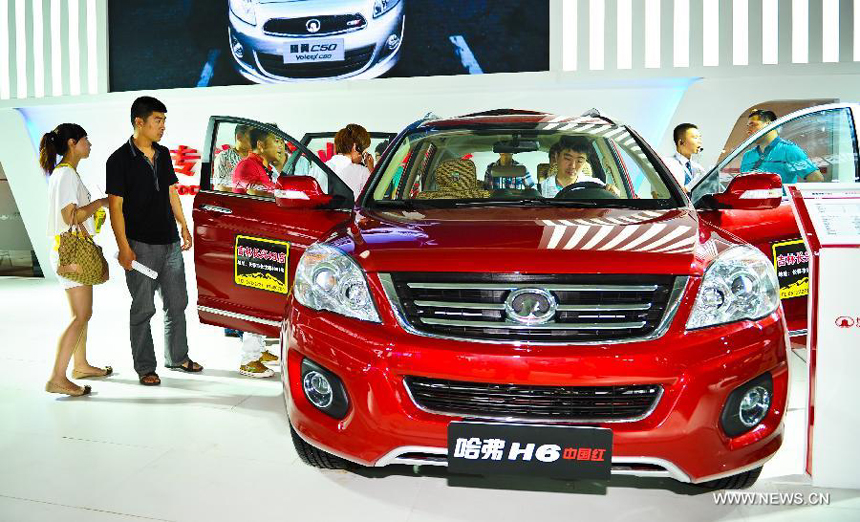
{"type": "Point", "coordinates": [542, 171]}
{"type": "Point", "coordinates": [455, 179]}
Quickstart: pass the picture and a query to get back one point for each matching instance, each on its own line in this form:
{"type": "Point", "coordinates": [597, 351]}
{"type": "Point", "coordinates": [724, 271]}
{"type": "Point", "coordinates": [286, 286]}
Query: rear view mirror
{"type": "Point", "coordinates": [756, 191]}
{"type": "Point", "coordinates": [515, 145]}
{"type": "Point", "coordinates": [300, 192]}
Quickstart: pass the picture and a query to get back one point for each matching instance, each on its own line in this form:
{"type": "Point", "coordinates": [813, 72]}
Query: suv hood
{"type": "Point", "coordinates": [529, 240]}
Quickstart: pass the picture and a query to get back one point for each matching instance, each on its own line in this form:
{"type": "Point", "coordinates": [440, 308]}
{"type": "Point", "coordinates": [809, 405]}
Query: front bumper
{"type": "Point", "coordinates": [366, 51]}
{"type": "Point", "coordinates": [681, 438]}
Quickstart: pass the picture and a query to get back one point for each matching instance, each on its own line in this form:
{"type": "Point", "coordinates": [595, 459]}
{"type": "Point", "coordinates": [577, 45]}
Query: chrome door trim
{"type": "Point", "coordinates": [236, 315]}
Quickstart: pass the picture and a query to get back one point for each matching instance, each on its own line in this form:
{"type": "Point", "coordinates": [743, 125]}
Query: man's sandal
{"type": "Point", "coordinates": [85, 375]}
{"type": "Point", "coordinates": [150, 379]}
{"type": "Point", "coordinates": [188, 366]}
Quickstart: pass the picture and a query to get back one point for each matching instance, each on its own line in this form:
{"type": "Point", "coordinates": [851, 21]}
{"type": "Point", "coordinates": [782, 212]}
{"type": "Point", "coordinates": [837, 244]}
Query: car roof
{"type": "Point", "coordinates": [514, 117]}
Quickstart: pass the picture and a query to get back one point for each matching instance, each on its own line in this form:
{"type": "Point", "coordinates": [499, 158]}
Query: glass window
{"type": "Point", "coordinates": [494, 166]}
{"type": "Point", "coordinates": [269, 155]}
{"type": "Point", "coordinates": [820, 146]}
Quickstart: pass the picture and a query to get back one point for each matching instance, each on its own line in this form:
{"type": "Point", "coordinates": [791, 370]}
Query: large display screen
{"type": "Point", "coordinates": [160, 44]}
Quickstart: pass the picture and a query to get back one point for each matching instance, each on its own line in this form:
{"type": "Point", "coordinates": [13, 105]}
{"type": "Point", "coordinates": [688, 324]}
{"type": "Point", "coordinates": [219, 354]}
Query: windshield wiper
{"type": "Point", "coordinates": [529, 203]}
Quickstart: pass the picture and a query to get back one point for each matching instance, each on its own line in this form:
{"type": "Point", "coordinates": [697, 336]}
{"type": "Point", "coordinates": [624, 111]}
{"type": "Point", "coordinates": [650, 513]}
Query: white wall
{"type": "Point", "coordinates": [52, 48]}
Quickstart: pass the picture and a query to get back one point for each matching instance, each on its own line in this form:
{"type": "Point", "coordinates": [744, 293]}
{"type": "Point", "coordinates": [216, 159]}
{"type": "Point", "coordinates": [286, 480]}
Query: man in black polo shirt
{"type": "Point", "coordinates": [144, 210]}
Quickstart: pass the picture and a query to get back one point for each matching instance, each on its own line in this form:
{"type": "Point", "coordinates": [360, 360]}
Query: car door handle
{"type": "Point", "coordinates": [219, 210]}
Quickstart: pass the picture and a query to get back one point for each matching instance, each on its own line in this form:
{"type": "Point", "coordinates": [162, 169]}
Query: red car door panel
{"type": "Point", "coordinates": [215, 255]}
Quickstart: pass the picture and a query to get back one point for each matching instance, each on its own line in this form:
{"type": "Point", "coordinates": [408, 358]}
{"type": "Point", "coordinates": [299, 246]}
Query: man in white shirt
{"type": "Point", "coordinates": [352, 163]}
{"type": "Point", "coordinates": [688, 141]}
{"type": "Point", "coordinates": [571, 159]}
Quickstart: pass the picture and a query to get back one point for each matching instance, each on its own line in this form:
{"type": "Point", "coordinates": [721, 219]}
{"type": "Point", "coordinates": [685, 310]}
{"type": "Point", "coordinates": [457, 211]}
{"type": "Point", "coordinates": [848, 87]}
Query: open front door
{"type": "Point", "coordinates": [246, 248]}
{"type": "Point", "coordinates": [822, 139]}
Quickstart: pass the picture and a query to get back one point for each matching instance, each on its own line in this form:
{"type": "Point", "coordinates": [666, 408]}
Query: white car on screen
{"type": "Point", "coordinates": [275, 41]}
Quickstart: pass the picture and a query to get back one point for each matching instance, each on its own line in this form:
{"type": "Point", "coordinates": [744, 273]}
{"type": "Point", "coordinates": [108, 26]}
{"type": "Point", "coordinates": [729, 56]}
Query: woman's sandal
{"type": "Point", "coordinates": [85, 375]}
{"type": "Point", "coordinates": [188, 366]}
{"type": "Point", "coordinates": [71, 392]}
{"type": "Point", "coordinates": [150, 379]}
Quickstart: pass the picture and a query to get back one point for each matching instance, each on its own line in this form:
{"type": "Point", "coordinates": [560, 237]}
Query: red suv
{"type": "Point", "coordinates": [478, 307]}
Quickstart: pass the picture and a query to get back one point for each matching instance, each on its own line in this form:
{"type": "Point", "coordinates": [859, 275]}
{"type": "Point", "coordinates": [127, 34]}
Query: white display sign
{"type": "Point", "coordinates": [837, 221]}
{"type": "Point", "coordinates": [829, 219]}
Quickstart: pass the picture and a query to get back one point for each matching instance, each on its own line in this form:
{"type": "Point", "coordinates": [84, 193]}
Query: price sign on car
{"type": "Point", "coordinates": [330, 50]}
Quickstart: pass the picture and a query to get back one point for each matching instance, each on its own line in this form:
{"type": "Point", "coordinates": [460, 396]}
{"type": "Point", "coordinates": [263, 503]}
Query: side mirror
{"type": "Point", "coordinates": [756, 191]}
{"type": "Point", "coordinates": [300, 192]}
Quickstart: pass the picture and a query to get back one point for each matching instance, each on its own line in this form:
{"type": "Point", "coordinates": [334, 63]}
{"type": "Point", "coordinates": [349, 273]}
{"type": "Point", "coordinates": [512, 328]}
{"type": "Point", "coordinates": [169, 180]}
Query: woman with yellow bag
{"type": "Point", "coordinates": [76, 259]}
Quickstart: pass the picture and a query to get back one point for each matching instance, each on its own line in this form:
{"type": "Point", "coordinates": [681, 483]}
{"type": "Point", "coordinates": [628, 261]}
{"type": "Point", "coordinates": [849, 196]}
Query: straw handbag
{"type": "Point", "coordinates": [81, 259]}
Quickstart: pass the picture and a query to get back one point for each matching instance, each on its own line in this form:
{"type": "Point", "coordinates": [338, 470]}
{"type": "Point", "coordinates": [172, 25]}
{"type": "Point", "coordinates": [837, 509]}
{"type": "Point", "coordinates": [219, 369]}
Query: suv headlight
{"type": "Point", "coordinates": [380, 7]}
{"type": "Point", "coordinates": [328, 279]}
{"type": "Point", "coordinates": [739, 284]}
{"type": "Point", "coordinates": [245, 10]}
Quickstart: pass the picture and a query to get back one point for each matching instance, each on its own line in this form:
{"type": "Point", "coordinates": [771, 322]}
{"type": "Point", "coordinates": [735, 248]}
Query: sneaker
{"type": "Point", "coordinates": [268, 358]}
{"type": "Point", "coordinates": [255, 369]}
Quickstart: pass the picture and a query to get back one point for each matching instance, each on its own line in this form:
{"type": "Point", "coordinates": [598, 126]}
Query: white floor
{"type": "Point", "coordinates": [216, 446]}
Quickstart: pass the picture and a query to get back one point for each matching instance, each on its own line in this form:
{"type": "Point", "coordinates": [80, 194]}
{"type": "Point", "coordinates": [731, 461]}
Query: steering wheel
{"type": "Point", "coordinates": [585, 190]}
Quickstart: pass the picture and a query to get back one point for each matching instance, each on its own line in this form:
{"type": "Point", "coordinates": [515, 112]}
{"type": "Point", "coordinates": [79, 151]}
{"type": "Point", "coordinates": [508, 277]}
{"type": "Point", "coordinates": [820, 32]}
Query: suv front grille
{"type": "Point", "coordinates": [514, 401]}
{"type": "Point", "coordinates": [354, 60]}
{"type": "Point", "coordinates": [590, 308]}
{"type": "Point", "coordinates": [327, 25]}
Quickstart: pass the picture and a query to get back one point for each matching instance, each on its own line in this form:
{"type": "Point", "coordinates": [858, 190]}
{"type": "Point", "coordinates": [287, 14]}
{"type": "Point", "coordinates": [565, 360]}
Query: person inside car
{"type": "Point", "coordinates": [507, 160]}
{"type": "Point", "coordinates": [253, 175]}
{"type": "Point", "coordinates": [226, 161]}
{"type": "Point", "coordinates": [352, 163]}
{"type": "Point", "coordinates": [774, 154]}
{"type": "Point", "coordinates": [571, 161]}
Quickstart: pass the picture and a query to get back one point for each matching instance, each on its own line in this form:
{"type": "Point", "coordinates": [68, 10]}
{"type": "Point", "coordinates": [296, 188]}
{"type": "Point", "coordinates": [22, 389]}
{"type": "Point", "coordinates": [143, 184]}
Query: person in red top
{"type": "Point", "coordinates": [253, 175]}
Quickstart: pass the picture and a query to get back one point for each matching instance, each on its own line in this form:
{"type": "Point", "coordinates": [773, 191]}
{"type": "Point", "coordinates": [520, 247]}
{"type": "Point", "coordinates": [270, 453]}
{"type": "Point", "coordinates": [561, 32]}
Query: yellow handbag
{"type": "Point", "coordinates": [81, 259]}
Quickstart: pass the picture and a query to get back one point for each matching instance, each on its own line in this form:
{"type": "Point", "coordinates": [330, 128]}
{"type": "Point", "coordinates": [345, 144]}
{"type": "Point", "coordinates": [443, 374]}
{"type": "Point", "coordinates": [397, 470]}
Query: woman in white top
{"type": "Point", "coordinates": [352, 163]}
{"type": "Point", "coordinates": [68, 202]}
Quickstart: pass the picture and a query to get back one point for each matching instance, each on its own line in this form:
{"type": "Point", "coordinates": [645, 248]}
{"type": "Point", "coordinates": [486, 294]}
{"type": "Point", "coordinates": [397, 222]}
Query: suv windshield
{"type": "Point", "coordinates": [601, 167]}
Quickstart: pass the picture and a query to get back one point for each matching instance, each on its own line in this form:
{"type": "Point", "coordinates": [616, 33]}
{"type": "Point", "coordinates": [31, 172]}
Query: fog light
{"type": "Point", "coordinates": [754, 406]}
{"type": "Point", "coordinates": [747, 406]}
{"type": "Point", "coordinates": [392, 42]}
{"type": "Point", "coordinates": [318, 389]}
{"type": "Point", "coordinates": [324, 390]}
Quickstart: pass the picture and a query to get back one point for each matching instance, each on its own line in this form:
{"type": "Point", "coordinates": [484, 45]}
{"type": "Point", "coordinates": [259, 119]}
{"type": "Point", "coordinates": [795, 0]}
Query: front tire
{"type": "Point", "coordinates": [739, 481]}
{"type": "Point", "coordinates": [316, 457]}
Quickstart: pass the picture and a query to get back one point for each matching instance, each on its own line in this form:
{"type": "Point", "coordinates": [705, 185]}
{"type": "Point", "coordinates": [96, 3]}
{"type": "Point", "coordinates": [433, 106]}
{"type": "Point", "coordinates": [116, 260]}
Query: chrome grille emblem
{"type": "Point", "coordinates": [531, 306]}
{"type": "Point", "coordinates": [313, 25]}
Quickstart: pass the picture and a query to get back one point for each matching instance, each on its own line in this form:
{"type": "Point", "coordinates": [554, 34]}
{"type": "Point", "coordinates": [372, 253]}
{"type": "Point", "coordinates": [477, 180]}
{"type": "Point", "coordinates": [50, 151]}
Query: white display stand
{"type": "Point", "coordinates": [829, 219]}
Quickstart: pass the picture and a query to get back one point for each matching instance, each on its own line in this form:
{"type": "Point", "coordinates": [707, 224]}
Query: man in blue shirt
{"type": "Point", "coordinates": [774, 154]}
